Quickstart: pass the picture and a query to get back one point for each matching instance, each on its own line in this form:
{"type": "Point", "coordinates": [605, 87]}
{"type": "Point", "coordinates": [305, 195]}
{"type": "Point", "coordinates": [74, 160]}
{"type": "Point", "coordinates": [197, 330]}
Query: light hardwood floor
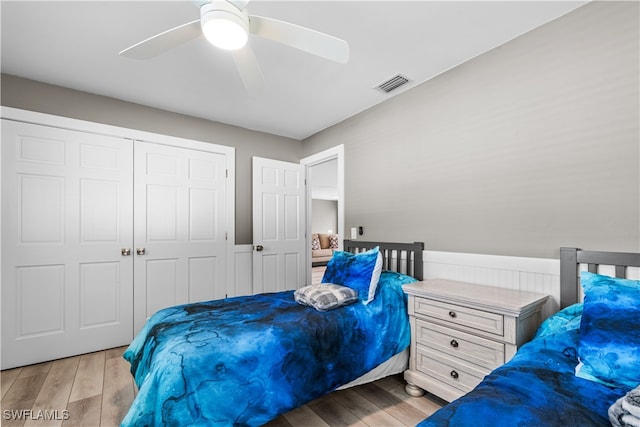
{"type": "Point", "coordinates": [96, 389]}
{"type": "Point", "coordinates": [88, 390]}
{"type": "Point", "coordinates": [317, 273]}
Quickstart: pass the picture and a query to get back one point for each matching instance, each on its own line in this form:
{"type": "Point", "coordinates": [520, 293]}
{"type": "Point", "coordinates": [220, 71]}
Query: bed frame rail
{"type": "Point", "coordinates": [410, 253]}
{"type": "Point", "coordinates": [570, 260]}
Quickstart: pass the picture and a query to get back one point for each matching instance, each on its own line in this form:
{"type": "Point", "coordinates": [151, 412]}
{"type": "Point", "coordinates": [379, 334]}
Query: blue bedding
{"type": "Point", "coordinates": [246, 360]}
{"type": "Point", "coordinates": [537, 387]}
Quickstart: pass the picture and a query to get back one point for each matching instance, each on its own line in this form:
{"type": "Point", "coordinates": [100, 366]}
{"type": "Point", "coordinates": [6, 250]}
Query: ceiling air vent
{"type": "Point", "coordinates": [393, 83]}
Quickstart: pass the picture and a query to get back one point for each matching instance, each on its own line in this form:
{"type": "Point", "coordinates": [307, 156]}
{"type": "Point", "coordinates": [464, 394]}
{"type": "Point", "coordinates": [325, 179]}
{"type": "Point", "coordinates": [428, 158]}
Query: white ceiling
{"type": "Point", "coordinates": [76, 43]}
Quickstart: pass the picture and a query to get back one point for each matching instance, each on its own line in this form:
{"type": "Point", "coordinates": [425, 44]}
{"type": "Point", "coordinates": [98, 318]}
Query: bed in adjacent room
{"type": "Point", "coordinates": [246, 360]}
{"type": "Point", "coordinates": [581, 368]}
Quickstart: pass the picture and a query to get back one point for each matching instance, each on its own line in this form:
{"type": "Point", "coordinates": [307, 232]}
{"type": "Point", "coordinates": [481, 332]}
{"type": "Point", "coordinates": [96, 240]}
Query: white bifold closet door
{"type": "Point", "coordinates": [179, 227]}
{"type": "Point", "coordinates": [66, 215]}
{"type": "Point", "coordinates": [98, 233]}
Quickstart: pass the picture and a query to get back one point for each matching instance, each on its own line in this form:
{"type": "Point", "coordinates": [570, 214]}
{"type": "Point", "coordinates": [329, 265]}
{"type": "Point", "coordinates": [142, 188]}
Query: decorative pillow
{"type": "Point", "coordinates": [610, 331]}
{"type": "Point", "coordinates": [358, 271]}
{"type": "Point", "coordinates": [315, 242]}
{"type": "Point", "coordinates": [333, 241]}
{"type": "Point", "coordinates": [324, 240]}
{"type": "Point", "coordinates": [324, 297]}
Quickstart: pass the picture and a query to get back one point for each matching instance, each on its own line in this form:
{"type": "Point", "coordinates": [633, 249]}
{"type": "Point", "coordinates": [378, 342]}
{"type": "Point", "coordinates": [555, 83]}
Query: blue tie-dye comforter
{"type": "Point", "coordinates": [537, 387]}
{"type": "Point", "coordinates": [245, 360]}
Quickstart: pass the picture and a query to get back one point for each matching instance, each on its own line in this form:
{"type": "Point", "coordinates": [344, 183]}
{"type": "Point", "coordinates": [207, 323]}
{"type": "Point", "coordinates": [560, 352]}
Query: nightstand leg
{"type": "Point", "coordinates": [413, 390]}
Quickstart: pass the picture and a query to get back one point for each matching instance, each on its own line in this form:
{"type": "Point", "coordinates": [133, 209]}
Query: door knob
{"type": "Point", "coordinates": [259, 248]}
{"type": "Point", "coordinates": [125, 251]}
{"type": "Point", "coordinates": [140, 251]}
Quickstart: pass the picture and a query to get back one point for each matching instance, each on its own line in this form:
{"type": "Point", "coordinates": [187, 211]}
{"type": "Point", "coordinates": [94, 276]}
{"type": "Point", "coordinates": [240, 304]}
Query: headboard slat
{"type": "Point", "coordinates": [570, 260]}
{"type": "Point", "coordinates": [412, 252]}
{"type": "Point", "coordinates": [386, 259]}
{"type": "Point", "coordinates": [608, 258]}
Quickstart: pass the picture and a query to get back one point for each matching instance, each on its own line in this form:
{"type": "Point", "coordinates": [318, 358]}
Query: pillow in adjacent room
{"type": "Point", "coordinates": [333, 241]}
{"type": "Point", "coordinates": [358, 271]}
{"type": "Point", "coordinates": [324, 297]}
{"type": "Point", "coordinates": [315, 242]}
{"type": "Point", "coordinates": [324, 240]}
{"type": "Point", "coordinates": [610, 330]}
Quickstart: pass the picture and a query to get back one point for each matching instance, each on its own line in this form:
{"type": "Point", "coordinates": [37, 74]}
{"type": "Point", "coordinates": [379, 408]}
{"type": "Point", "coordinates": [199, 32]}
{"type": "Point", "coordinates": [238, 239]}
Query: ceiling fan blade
{"type": "Point", "coordinates": [249, 70]}
{"type": "Point", "coordinates": [160, 43]}
{"type": "Point", "coordinates": [305, 39]}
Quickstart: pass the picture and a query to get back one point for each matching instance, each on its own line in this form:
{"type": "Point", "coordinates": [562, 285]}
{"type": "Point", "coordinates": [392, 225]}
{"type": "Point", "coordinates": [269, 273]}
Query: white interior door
{"type": "Point", "coordinates": [66, 215]}
{"type": "Point", "coordinates": [278, 225]}
{"type": "Point", "coordinates": [180, 247]}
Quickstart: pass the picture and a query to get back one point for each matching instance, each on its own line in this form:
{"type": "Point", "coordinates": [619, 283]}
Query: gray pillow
{"type": "Point", "coordinates": [325, 296]}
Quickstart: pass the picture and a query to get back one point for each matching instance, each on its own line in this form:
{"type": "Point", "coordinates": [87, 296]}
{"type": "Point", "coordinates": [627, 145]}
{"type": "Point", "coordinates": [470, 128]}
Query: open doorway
{"type": "Point", "coordinates": [325, 207]}
{"type": "Point", "coordinates": [323, 186]}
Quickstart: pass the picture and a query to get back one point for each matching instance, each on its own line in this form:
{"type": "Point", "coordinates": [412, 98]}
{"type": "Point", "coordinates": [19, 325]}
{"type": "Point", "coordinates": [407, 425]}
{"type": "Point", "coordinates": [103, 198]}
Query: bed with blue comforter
{"type": "Point", "coordinates": [599, 339]}
{"type": "Point", "coordinates": [246, 360]}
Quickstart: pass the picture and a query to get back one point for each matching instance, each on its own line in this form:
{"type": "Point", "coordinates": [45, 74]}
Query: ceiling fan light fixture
{"type": "Point", "coordinates": [224, 26]}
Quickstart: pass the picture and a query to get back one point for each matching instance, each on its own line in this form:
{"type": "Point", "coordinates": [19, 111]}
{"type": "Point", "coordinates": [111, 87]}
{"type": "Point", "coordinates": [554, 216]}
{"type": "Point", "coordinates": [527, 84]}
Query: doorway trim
{"type": "Point", "coordinates": [336, 153]}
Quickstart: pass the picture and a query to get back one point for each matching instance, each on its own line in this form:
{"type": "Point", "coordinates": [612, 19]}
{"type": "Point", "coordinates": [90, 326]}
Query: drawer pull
{"type": "Point", "coordinates": [454, 343]}
{"type": "Point", "coordinates": [452, 314]}
{"type": "Point", "coordinates": [454, 375]}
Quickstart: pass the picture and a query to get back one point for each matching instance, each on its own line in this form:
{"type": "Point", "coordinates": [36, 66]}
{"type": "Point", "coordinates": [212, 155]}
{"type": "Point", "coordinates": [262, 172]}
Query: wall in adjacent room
{"type": "Point", "coordinates": [325, 216]}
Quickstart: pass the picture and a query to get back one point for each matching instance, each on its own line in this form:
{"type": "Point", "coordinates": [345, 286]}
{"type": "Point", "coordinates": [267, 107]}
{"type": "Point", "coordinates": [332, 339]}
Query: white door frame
{"type": "Point", "coordinates": [337, 153]}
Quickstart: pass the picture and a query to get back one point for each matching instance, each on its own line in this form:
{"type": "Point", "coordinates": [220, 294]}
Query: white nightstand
{"type": "Point", "coordinates": [460, 332]}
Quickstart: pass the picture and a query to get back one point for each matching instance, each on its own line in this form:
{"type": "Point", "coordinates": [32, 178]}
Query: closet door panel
{"type": "Point", "coordinates": [40, 292]}
{"type": "Point", "coordinates": [99, 211]}
{"type": "Point", "coordinates": [100, 294]}
{"type": "Point", "coordinates": [67, 212]}
{"type": "Point", "coordinates": [202, 278]}
{"type": "Point", "coordinates": [40, 209]}
{"type": "Point", "coordinates": [180, 196]}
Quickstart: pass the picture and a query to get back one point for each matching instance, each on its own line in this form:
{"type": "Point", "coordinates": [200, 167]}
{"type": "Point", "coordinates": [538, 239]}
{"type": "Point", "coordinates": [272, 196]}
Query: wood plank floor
{"type": "Point", "coordinates": [88, 390]}
{"type": "Point", "coordinates": [317, 273]}
{"type": "Point", "coordinates": [96, 389]}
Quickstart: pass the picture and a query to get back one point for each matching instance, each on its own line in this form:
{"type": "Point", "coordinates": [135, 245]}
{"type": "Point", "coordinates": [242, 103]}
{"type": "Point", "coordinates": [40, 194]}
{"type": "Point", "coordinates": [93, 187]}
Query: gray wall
{"type": "Point", "coordinates": [325, 216]}
{"type": "Point", "coordinates": [529, 147]}
{"type": "Point", "coordinates": [44, 98]}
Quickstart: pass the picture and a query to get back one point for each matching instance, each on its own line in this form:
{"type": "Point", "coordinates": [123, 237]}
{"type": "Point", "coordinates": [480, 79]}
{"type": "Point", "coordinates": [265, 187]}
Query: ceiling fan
{"type": "Point", "coordinates": [227, 25]}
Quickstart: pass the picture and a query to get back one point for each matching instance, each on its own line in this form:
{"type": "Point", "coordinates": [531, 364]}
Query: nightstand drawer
{"type": "Point", "coordinates": [492, 323]}
{"type": "Point", "coordinates": [474, 349]}
{"type": "Point", "coordinates": [452, 372]}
